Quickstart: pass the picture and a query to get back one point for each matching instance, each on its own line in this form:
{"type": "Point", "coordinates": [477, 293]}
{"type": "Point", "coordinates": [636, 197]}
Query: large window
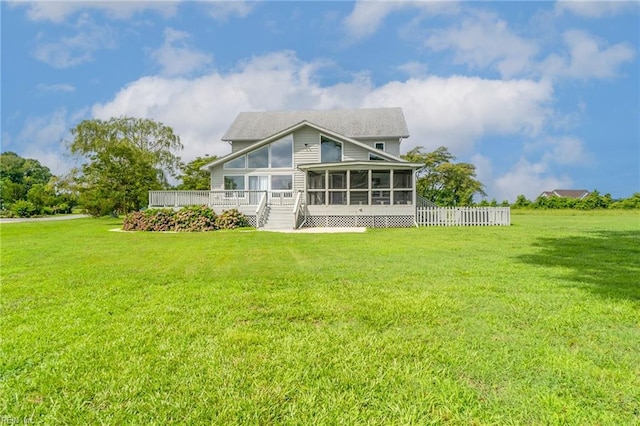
{"type": "Point", "coordinates": [233, 183]}
{"type": "Point", "coordinates": [236, 163]}
{"type": "Point", "coordinates": [402, 179]}
{"type": "Point", "coordinates": [330, 150]}
{"type": "Point", "coordinates": [282, 153]}
{"type": "Point", "coordinates": [381, 179]}
{"type": "Point", "coordinates": [281, 182]}
{"type": "Point", "coordinates": [359, 187]}
{"type": "Point", "coordinates": [276, 155]}
{"type": "Point", "coordinates": [259, 158]}
{"type": "Point", "coordinates": [402, 187]}
{"type": "Point", "coordinates": [316, 186]}
{"type": "Point", "coordinates": [337, 187]}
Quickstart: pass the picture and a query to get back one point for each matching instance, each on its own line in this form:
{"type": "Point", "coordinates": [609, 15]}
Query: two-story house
{"type": "Point", "coordinates": [290, 169]}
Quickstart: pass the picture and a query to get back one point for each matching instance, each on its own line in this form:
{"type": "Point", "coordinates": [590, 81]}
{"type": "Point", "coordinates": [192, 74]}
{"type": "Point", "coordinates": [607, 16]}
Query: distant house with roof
{"type": "Point", "coordinates": [578, 194]}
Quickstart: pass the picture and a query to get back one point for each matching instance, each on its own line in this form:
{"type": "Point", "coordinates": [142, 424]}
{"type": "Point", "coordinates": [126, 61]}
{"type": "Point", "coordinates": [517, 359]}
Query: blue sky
{"type": "Point", "coordinates": [538, 95]}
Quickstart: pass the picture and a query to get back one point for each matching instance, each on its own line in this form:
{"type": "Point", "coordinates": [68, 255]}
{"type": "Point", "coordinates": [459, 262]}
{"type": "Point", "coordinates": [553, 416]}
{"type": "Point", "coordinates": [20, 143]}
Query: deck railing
{"type": "Point", "coordinates": [282, 198]}
{"type": "Point", "coordinates": [224, 199]}
{"type": "Point", "coordinates": [423, 202]}
{"type": "Point", "coordinates": [463, 216]}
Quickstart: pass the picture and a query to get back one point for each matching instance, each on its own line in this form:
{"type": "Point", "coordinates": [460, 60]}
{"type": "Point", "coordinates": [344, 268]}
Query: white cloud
{"type": "Point", "coordinates": [595, 9]}
{"type": "Point", "coordinates": [223, 10]}
{"type": "Point", "coordinates": [566, 151]}
{"type": "Point", "coordinates": [484, 169]}
{"type": "Point", "coordinates": [58, 87]}
{"type": "Point", "coordinates": [456, 111]}
{"type": "Point", "coordinates": [59, 11]}
{"type": "Point", "coordinates": [453, 111]}
{"type": "Point", "coordinates": [528, 178]}
{"type": "Point", "coordinates": [45, 130]}
{"type": "Point", "coordinates": [176, 57]}
{"type": "Point", "coordinates": [69, 51]}
{"type": "Point", "coordinates": [367, 15]}
{"type": "Point", "coordinates": [413, 68]}
{"type": "Point", "coordinates": [531, 177]}
{"type": "Point", "coordinates": [587, 58]}
{"type": "Point", "coordinates": [485, 41]}
{"type": "Point", "coordinates": [43, 138]}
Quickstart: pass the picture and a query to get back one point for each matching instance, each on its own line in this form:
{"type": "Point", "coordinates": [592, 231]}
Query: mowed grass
{"type": "Point", "coordinates": [537, 323]}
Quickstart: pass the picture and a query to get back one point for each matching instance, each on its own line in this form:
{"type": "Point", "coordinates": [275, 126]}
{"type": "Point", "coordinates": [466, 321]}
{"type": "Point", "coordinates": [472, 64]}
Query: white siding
{"type": "Point", "coordinates": [304, 154]}
{"type": "Point", "coordinates": [217, 181]}
{"type": "Point", "coordinates": [237, 146]}
{"type": "Point", "coordinates": [392, 146]}
{"type": "Point", "coordinates": [352, 152]}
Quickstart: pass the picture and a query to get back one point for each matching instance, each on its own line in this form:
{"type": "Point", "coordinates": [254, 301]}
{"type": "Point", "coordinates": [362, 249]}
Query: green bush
{"type": "Point", "coordinates": [23, 208]}
{"type": "Point", "coordinates": [632, 202]}
{"type": "Point", "coordinates": [64, 208]}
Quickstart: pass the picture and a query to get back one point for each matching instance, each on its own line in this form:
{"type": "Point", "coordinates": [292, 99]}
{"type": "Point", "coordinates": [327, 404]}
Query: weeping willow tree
{"type": "Point", "coordinates": [122, 159]}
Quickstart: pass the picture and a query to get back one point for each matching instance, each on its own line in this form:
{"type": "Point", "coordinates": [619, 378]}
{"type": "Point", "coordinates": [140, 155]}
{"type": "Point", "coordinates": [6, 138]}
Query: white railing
{"type": "Point", "coordinates": [463, 216]}
{"type": "Point", "coordinates": [260, 211]}
{"type": "Point", "coordinates": [423, 202]}
{"type": "Point", "coordinates": [227, 199]}
{"type": "Point", "coordinates": [281, 198]}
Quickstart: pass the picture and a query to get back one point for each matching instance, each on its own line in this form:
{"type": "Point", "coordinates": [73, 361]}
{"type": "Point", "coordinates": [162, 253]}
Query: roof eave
{"type": "Point", "coordinates": [375, 163]}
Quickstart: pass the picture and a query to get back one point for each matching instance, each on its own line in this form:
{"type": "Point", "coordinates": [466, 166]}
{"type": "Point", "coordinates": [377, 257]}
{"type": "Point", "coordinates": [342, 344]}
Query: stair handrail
{"type": "Point", "coordinates": [260, 210]}
{"type": "Point", "coordinates": [298, 207]}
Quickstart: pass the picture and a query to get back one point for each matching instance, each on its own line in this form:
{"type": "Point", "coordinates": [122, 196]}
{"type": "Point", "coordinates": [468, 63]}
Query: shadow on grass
{"type": "Point", "coordinates": [607, 263]}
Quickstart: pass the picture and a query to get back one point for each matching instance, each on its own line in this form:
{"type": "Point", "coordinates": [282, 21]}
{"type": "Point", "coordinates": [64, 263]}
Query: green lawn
{"type": "Point", "coordinates": [537, 323]}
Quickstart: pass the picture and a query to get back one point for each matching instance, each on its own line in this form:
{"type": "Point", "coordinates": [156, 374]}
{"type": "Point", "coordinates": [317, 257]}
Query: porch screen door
{"type": "Point", "coordinates": [257, 183]}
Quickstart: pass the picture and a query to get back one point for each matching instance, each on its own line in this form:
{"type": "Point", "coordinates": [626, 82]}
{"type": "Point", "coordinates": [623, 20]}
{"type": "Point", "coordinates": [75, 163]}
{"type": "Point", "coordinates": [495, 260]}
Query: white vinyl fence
{"type": "Point", "coordinates": [463, 216]}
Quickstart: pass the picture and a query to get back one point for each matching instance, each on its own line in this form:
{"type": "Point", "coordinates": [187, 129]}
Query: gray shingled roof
{"type": "Point", "coordinates": [567, 193]}
{"type": "Point", "coordinates": [353, 123]}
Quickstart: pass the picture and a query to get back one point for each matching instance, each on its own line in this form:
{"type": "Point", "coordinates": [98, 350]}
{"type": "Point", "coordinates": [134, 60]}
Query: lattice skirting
{"type": "Point", "coordinates": [329, 221]}
{"type": "Point", "coordinates": [251, 220]}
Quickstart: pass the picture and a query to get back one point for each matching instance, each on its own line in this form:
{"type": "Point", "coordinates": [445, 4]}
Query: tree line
{"type": "Point", "coordinates": [121, 159]}
{"type": "Point", "coordinates": [595, 200]}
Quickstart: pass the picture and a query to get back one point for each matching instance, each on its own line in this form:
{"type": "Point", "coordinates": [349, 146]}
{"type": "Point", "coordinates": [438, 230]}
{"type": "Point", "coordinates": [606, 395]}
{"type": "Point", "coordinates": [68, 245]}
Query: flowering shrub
{"type": "Point", "coordinates": [231, 219]}
{"type": "Point", "coordinates": [150, 220]}
{"type": "Point", "coordinates": [195, 218]}
{"type": "Point", "coordinates": [188, 219]}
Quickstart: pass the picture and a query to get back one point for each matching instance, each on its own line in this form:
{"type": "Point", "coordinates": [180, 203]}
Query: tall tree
{"type": "Point", "coordinates": [192, 178]}
{"type": "Point", "coordinates": [442, 181]}
{"type": "Point", "coordinates": [18, 175]}
{"type": "Point", "coordinates": [124, 158]}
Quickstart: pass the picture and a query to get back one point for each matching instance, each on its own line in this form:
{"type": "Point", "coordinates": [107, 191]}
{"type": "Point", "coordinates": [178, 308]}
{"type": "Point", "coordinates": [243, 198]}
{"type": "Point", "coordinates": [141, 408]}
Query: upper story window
{"type": "Point", "coordinates": [282, 152]}
{"type": "Point", "coordinates": [330, 150]}
{"type": "Point", "coordinates": [278, 154]}
{"type": "Point", "coordinates": [259, 158]}
{"type": "Point", "coordinates": [236, 163]}
{"type": "Point", "coordinates": [379, 145]}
